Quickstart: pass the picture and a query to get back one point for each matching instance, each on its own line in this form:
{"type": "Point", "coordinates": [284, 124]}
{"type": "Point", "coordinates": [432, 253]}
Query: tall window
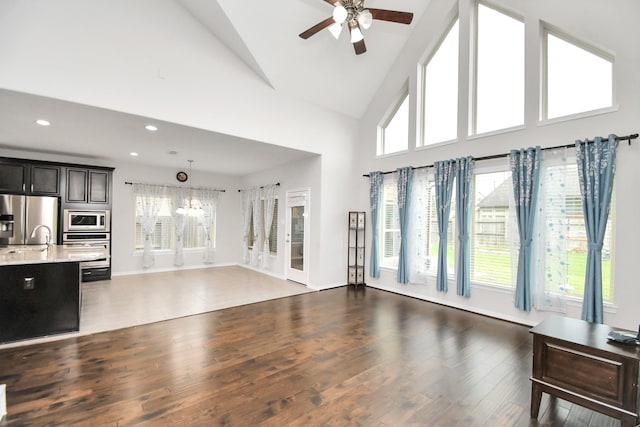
{"type": "Point", "coordinates": [163, 234]}
{"type": "Point", "coordinates": [492, 229]}
{"type": "Point", "coordinates": [563, 236]}
{"type": "Point", "coordinates": [577, 78]}
{"type": "Point", "coordinates": [273, 231]}
{"type": "Point", "coordinates": [560, 236]}
{"type": "Point", "coordinates": [390, 226]}
{"type": "Point", "coordinates": [250, 241]}
{"type": "Point", "coordinates": [499, 73]}
{"type": "Point", "coordinates": [440, 97]}
{"type": "Point", "coordinates": [393, 134]}
{"type": "Point", "coordinates": [425, 238]}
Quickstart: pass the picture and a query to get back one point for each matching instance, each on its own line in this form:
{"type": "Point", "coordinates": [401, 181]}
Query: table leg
{"type": "Point", "coordinates": [628, 421]}
{"type": "Point", "coordinates": [536, 398]}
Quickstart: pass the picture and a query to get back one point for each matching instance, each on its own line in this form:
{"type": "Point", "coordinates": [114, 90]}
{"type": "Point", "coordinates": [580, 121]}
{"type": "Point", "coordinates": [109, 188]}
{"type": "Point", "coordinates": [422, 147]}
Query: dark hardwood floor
{"type": "Point", "coordinates": [336, 357]}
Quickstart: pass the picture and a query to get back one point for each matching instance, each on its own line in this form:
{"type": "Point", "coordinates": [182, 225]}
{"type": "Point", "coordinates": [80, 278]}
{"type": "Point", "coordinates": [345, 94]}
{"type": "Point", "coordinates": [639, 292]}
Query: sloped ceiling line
{"type": "Point", "coordinates": [211, 16]}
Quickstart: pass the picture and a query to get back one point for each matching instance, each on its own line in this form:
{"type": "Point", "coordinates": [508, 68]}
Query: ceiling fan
{"type": "Point", "coordinates": [354, 14]}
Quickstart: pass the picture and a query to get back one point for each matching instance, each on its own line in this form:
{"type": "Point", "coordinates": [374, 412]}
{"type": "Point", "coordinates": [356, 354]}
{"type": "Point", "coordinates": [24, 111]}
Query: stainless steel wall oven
{"type": "Point", "coordinates": [91, 270]}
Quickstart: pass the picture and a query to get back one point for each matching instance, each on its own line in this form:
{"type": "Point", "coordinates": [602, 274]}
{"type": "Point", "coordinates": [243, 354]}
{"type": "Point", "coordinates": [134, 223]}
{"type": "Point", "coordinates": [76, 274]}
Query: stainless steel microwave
{"type": "Point", "coordinates": [86, 220]}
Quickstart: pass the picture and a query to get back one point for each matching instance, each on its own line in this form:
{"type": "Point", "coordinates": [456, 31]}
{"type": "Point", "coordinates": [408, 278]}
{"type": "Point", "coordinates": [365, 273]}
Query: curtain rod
{"type": "Point", "coordinates": [179, 186]}
{"type": "Point", "coordinates": [277, 184]}
{"type": "Point", "coordinates": [498, 156]}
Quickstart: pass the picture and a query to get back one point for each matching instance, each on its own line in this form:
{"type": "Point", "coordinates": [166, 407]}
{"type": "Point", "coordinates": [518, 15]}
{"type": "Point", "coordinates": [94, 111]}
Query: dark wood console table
{"type": "Point", "coordinates": [573, 360]}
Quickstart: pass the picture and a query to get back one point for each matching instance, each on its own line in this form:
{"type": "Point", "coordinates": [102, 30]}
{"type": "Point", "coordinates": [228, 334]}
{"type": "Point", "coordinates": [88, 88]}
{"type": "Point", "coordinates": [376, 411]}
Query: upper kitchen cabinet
{"type": "Point", "coordinates": [29, 178]}
{"type": "Point", "coordinates": [12, 177]}
{"type": "Point", "coordinates": [44, 180]}
{"type": "Point", "coordinates": [87, 186]}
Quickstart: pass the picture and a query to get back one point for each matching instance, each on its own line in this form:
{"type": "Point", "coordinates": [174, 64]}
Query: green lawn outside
{"type": "Point", "coordinates": [499, 258]}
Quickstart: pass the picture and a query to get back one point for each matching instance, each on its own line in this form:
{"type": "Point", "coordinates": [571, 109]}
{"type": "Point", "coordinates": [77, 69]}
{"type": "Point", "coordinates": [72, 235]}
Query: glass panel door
{"type": "Point", "coordinates": [297, 238]}
{"type": "Point", "coordinates": [297, 242]}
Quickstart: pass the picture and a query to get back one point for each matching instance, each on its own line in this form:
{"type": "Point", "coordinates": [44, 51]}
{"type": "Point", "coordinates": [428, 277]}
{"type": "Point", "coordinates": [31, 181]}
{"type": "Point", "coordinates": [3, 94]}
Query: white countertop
{"type": "Point", "coordinates": [38, 254]}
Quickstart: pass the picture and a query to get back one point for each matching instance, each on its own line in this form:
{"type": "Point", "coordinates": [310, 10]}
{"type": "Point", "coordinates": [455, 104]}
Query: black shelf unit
{"type": "Point", "coordinates": [356, 249]}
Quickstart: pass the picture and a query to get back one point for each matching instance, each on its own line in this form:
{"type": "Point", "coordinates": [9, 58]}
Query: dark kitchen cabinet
{"type": "Point", "coordinates": [39, 299]}
{"type": "Point", "coordinates": [44, 180]}
{"type": "Point", "coordinates": [87, 186]}
{"type": "Point", "coordinates": [25, 178]}
{"type": "Point", "coordinates": [12, 177]}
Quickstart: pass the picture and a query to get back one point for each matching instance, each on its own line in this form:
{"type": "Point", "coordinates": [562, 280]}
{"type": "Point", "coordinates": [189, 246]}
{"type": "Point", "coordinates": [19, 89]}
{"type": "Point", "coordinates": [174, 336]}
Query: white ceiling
{"type": "Point", "coordinates": [321, 71]}
{"type": "Point", "coordinates": [109, 136]}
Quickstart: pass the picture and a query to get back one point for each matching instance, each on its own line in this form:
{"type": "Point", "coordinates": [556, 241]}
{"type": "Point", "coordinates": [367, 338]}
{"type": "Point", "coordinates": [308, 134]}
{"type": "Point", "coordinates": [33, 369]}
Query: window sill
{"type": "Point", "coordinates": [496, 132]}
{"type": "Point", "coordinates": [436, 144]}
{"type": "Point", "coordinates": [140, 252]}
{"type": "Point", "coordinates": [609, 307]}
{"type": "Point", "coordinates": [570, 300]}
{"type": "Point", "coordinates": [582, 115]}
{"type": "Point", "coordinates": [395, 153]}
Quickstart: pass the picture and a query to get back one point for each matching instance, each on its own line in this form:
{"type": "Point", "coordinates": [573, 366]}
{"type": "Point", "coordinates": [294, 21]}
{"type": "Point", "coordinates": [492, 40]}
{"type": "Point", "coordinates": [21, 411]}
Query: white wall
{"type": "Point", "coordinates": [607, 25]}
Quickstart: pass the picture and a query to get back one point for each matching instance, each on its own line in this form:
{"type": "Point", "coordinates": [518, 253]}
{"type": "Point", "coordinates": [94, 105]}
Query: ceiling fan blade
{"type": "Point", "coordinates": [333, 2]}
{"type": "Point", "coordinates": [360, 47]}
{"type": "Point", "coordinates": [392, 16]}
{"type": "Point", "coordinates": [317, 28]}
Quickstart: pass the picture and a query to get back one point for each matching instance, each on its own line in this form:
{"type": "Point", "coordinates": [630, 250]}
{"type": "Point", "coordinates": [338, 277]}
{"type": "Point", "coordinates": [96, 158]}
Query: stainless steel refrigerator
{"type": "Point", "coordinates": [19, 215]}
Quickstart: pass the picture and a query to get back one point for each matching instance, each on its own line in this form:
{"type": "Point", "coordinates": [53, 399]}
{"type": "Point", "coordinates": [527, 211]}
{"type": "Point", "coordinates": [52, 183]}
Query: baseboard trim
{"type": "Point", "coordinates": [263, 271]}
{"type": "Point", "coordinates": [488, 313]}
{"type": "Point", "coordinates": [169, 269]}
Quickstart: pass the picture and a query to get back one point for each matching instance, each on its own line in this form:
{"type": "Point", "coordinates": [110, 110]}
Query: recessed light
{"type": "Point", "coordinates": [151, 128]}
{"type": "Point", "coordinates": [42, 122]}
{"type": "Point", "coordinates": [172, 152]}
{"type": "Point", "coordinates": [133, 154]}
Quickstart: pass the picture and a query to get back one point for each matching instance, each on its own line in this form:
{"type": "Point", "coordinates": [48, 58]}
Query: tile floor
{"type": "Point", "coordinates": [137, 299]}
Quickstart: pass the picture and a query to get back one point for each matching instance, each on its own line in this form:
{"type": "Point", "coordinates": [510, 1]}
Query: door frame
{"type": "Point", "coordinates": [298, 197]}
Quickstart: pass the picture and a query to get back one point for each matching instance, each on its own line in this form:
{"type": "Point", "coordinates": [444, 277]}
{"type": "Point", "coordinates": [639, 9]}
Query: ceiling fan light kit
{"type": "Point", "coordinates": [365, 19]}
{"type": "Point", "coordinates": [340, 14]}
{"type": "Point", "coordinates": [357, 18]}
{"type": "Point", "coordinates": [356, 34]}
{"type": "Point", "coordinates": [335, 29]}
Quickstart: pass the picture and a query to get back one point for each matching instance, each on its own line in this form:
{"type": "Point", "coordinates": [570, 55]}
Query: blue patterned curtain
{"type": "Point", "coordinates": [464, 181]}
{"type": "Point", "coordinates": [596, 169]}
{"type": "Point", "coordinates": [445, 172]}
{"type": "Point", "coordinates": [405, 181]}
{"type": "Point", "coordinates": [375, 196]}
{"type": "Point", "coordinates": [525, 174]}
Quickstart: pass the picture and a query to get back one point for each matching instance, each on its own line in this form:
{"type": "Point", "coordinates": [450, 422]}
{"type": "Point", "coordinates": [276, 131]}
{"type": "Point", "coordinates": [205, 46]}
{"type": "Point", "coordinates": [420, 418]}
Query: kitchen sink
{"type": "Point", "coordinates": [22, 250]}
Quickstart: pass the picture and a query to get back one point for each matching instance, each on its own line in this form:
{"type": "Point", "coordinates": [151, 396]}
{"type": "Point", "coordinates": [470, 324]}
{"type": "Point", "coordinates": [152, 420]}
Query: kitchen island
{"type": "Point", "coordinates": [40, 290]}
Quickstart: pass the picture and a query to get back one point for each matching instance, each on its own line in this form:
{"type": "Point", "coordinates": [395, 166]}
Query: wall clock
{"type": "Point", "coordinates": [182, 176]}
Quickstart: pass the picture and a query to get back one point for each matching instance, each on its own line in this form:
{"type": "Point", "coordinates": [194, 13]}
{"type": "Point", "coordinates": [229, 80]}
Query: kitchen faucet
{"type": "Point", "coordinates": [49, 236]}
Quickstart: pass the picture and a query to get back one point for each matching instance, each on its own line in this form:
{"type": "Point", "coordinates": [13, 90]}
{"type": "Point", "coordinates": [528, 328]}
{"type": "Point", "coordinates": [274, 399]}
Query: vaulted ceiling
{"type": "Point", "coordinates": [320, 70]}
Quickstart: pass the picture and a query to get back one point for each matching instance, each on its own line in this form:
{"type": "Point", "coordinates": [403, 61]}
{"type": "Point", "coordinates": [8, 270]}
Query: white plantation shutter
{"type": "Point", "coordinates": [273, 232]}
{"type": "Point", "coordinates": [390, 228]}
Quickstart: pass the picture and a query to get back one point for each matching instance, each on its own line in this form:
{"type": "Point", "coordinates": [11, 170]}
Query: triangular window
{"type": "Point", "coordinates": [393, 135]}
{"type": "Point", "coordinates": [578, 78]}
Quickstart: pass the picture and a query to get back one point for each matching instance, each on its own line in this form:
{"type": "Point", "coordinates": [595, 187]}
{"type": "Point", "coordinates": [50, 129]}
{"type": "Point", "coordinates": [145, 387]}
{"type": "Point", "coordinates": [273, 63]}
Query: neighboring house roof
{"type": "Point", "coordinates": [498, 198]}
